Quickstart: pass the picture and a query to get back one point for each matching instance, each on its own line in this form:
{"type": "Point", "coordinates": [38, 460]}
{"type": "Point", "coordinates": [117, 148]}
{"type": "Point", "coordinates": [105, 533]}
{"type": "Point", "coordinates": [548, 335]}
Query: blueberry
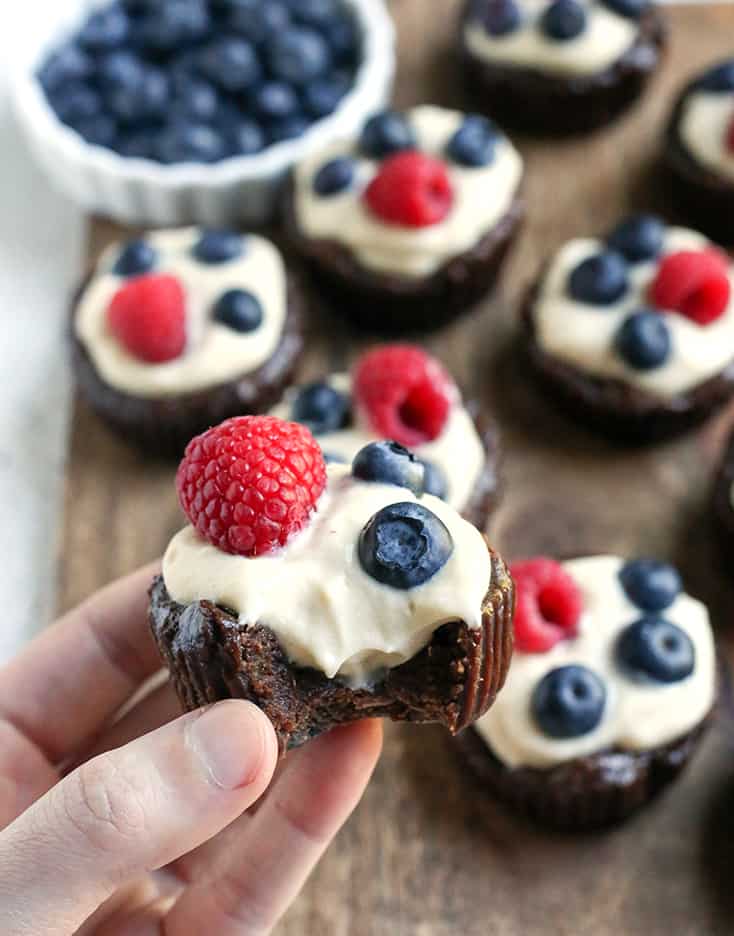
{"type": "Point", "coordinates": [568, 702]}
{"type": "Point", "coordinates": [389, 463]}
{"type": "Point", "coordinates": [67, 64]}
{"type": "Point", "coordinates": [322, 408]}
{"type": "Point", "coordinates": [314, 12]}
{"type": "Point", "coordinates": [120, 68]}
{"type": "Point", "coordinates": [600, 279]}
{"type": "Point", "coordinates": [563, 20]}
{"type": "Point", "coordinates": [718, 78]}
{"type": "Point", "coordinates": [239, 310]}
{"type": "Point", "coordinates": [501, 17]}
{"type": "Point", "coordinates": [653, 648]}
{"type": "Point", "coordinates": [218, 246]}
{"type": "Point", "coordinates": [147, 97]}
{"type": "Point", "coordinates": [404, 545]}
{"type": "Point", "coordinates": [638, 238]}
{"type": "Point", "coordinates": [105, 29]}
{"type": "Point", "coordinates": [643, 340]}
{"type": "Point", "coordinates": [246, 137]}
{"type": "Point", "coordinates": [334, 176]}
{"type": "Point", "coordinates": [174, 24]}
{"type": "Point", "coordinates": [135, 258]}
{"type": "Point", "coordinates": [322, 97]}
{"type": "Point", "coordinates": [275, 100]}
{"type": "Point", "coordinates": [342, 34]}
{"type": "Point", "coordinates": [434, 480]}
{"type": "Point", "coordinates": [181, 142]}
{"type": "Point", "coordinates": [632, 9]}
{"type": "Point", "coordinates": [474, 142]}
{"type": "Point", "coordinates": [231, 63]}
{"type": "Point", "coordinates": [255, 20]}
{"type": "Point", "coordinates": [290, 128]}
{"type": "Point", "coordinates": [650, 584]}
{"type": "Point", "coordinates": [100, 130]}
{"type": "Point", "coordinates": [385, 133]}
{"type": "Point", "coordinates": [136, 144]}
{"type": "Point", "coordinates": [77, 102]}
{"type": "Point", "coordinates": [193, 97]}
{"type": "Point", "coordinates": [298, 55]}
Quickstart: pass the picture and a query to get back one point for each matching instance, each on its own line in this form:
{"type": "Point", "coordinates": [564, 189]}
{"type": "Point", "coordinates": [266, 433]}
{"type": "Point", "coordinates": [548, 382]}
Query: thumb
{"type": "Point", "coordinates": [129, 811]}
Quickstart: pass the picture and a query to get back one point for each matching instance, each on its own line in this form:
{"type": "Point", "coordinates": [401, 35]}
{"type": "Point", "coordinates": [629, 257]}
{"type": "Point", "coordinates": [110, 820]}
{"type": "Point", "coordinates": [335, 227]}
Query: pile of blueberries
{"type": "Point", "coordinates": [202, 80]}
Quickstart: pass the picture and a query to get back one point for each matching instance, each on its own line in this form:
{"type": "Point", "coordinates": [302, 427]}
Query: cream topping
{"type": "Point", "coordinates": [481, 197]}
{"type": "Point", "coordinates": [583, 335]}
{"type": "Point", "coordinates": [637, 716]}
{"type": "Point", "coordinates": [704, 125]}
{"type": "Point", "coordinates": [458, 451]}
{"type": "Point", "coordinates": [327, 612]}
{"type": "Point", "coordinates": [605, 39]}
{"type": "Point", "coordinates": [214, 353]}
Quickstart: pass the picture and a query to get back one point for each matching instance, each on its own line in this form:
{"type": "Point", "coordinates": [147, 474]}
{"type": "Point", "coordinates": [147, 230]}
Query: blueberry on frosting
{"type": "Point", "coordinates": [643, 340]}
{"type": "Point", "coordinates": [390, 463]}
{"type": "Point", "coordinates": [600, 279]}
{"type": "Point", "coordinates": [240, 310]}
{"type": "Point", "coordinates": [568, 702]}
{"type": "Point", "coordinates": [563, 20]}
{"type": "Point", "coordinates": [653, 648]}
{"type": "Point", "coordinates": [334, 176]}
{"type": "Point", "coordinates": [218, 246]}
{"type": "Point", "coordinates": [501, 17]}
{"type": "Point", "coordinates": [720, 78]}
{"type": "Point", "coordinates": [650, 584]}
{"type": "Point", "coordinates": [638, 238]}
{"type": "Point", "coordinates": [404, 545]}
{"type": "Point", "coordinates": [322, 408]}
{"type": "Point", "coordinates": [386, 133]}
{"type": "Point", "coordinates": [473, 144]}
{"type": "Point", "coordinates": [136, 257]}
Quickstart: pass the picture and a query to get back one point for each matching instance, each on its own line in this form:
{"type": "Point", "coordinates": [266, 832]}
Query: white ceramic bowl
{"type": "Point", "coordinates": [139, 191]}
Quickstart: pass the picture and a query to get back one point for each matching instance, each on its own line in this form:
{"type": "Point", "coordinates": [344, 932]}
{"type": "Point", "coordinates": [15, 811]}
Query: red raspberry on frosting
{"type": "Point", "coordinates": [251, 483]}
{"type": "Point", "coordinates": [403, 393]}
{"type": "Point", "coordinates": [410, 189]}
{"type": "Point", "coordinates": [694, 283]}
{"type": "Point", "coordinates": [148, 317]}
{"type": "Point", "coordinates": [548, 604]}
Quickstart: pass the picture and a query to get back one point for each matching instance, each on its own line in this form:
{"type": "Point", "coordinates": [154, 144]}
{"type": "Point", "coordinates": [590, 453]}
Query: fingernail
{"type": "Point", "coordinates": [230, 742]}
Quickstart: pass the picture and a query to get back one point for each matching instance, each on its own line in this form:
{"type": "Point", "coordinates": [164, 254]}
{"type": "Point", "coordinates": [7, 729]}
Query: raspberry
{"type": "Point", "coordinates": [694, 283]}
{"type": "Point", "coordinates": [548, 604]}
{"type": "Point", "coordinates": [411, 189]}
{"type": "Point", "coordinates": [404, 393]}
{"type": "Point", "coordinates": [251, 483]}
{"type": "Point", "coordinates": [148, 316]}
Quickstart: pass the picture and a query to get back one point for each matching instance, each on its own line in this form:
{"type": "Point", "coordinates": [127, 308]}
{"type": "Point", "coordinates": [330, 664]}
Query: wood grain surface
{"type": "Point", "coordinates": [427, 853]}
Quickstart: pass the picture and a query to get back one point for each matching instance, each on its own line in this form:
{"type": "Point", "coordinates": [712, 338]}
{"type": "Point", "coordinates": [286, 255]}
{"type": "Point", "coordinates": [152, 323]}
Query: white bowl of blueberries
{"type": "Point", "coordinates": [166, 112]}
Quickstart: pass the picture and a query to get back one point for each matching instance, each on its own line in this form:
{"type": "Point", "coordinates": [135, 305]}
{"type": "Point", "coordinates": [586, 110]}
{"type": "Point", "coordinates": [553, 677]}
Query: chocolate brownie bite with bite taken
{"type": "Point", "coordinates": [567, 66]}
{"type": "Point", "coordinates": [178, 329]}
{"type": "Point", "coordinates": [634, 334]}
{"type": "Point", "coordinates": [610, 691]}
{"type": "Point", "coordinates": [327, 594]}
{"type": "Point", "coordinates": [409, 224]}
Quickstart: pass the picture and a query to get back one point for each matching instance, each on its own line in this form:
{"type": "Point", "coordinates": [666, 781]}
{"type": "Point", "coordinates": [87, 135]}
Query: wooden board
{"type": "Point", "coordinates": [424, 854]}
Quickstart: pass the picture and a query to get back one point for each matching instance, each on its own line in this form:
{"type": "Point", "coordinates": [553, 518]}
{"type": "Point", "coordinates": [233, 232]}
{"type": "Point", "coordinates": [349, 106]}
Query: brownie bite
{"type": "Point", "coordinates": [401, 393]}
{"type": "Point", "coordinates": [634, 334]}
{"type": "Point", "coordinates": [611, 688]}
{"type": "Point", "coordinates": [326, 594]}
{"type": "Point", "coordinates": [568, 66]}
{"type": "Point", "coordinates": [408, 225]}
{"type": "Point", "coordinates": [179, 329]}
{"type": "Point", "coordinates": [699, 151]}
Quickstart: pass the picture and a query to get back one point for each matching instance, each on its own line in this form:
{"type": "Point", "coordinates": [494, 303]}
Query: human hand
{"type": "Point", "coordinates": [104, 835]}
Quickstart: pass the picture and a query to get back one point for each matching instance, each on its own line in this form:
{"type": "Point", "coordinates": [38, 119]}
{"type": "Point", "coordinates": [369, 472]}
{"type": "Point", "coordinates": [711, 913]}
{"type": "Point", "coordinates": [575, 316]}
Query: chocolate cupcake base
{"type": "Point", "coordinates": [587, 793]}
{"type": "Point", "coordinates": [453, 681]}
{"type": "Point", "coordinates": [164, 426]}
{"type": "Point", "coordinates": [390, 304]}
{"type": "Point", "coordinates": [616, 408]}
{"type": "Point", "coordinates": [540, 103]}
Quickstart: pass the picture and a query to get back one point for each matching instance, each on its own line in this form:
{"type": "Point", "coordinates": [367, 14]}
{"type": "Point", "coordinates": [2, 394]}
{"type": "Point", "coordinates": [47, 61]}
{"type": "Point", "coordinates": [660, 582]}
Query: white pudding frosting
{"type": "Point", "coordinates": [638, 715]}
{"type": "Point", "coordinates": [326, 611]}
{"type": "Point", "coordinates": [214, 353]}
{"type": "Point", "coordinates": [482, 195]}
{"type": "Point", "coordinates": [704, 124]}
{"type": "Point", "coordinates": [605, 39]}
{"type": "Point", "coordinates": [458, 451]}
{"type": "Point", "coordinates": [583, 335]}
